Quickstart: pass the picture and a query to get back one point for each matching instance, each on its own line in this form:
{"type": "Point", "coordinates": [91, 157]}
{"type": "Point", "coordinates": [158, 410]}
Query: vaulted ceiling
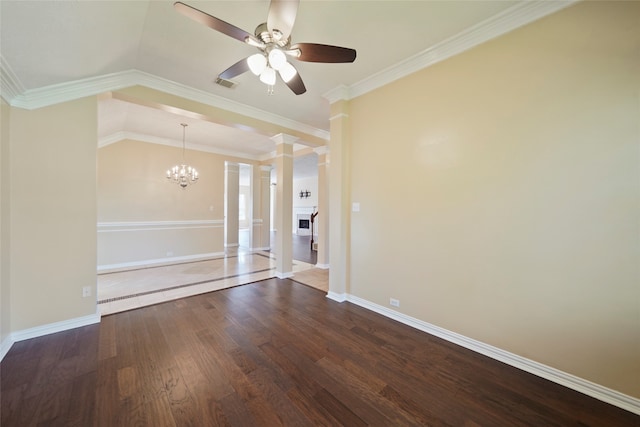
{"type": "Point", "coordinates": [57, 49]}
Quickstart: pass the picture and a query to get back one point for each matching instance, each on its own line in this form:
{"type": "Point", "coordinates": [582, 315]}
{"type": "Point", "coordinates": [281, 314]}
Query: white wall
{"type": "Point", "coordinates": [304, 205]}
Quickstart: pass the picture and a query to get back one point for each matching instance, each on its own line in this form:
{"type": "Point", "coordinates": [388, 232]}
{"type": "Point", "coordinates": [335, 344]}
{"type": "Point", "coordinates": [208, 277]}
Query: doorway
{"type": "Point", "coordinates": [238, 207]}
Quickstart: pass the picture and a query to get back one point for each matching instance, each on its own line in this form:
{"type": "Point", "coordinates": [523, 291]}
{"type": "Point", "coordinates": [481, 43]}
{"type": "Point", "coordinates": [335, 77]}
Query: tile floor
{"type": "Point", "coordinates": [126, 290]}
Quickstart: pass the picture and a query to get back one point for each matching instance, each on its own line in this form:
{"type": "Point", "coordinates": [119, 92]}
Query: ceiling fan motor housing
{"type": "Point", "coordinates": [270, 39]}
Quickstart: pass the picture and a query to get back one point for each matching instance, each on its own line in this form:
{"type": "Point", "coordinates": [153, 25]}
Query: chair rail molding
{"type": "Point", "coordinates": [119, 226]}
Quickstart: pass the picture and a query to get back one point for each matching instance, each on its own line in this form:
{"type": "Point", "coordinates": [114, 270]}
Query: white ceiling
{"type": "Point", "coordinates": [49, 45]}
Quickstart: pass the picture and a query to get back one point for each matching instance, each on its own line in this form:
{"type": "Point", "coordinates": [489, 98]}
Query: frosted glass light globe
{"type": "Point", "coordinates": [277, 59]}
{"type": "Point", "coordinates": [268, 76]}
{"type": "Point", "coordinates": [257, 63]}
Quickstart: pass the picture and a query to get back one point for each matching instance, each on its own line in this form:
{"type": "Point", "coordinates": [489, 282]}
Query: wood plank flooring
{"type": "Point", "coordinates": [268, 354]}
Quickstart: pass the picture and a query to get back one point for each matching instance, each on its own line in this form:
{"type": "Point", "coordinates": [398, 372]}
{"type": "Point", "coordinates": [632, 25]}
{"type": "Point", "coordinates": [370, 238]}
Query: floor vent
{"type": "Point", "coordinates": [226, 83]}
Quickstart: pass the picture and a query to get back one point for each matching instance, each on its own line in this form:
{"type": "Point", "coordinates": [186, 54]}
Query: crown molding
{"type": "Point", "coordinates": [31, 99]}
{"type": "Point", "coordinates": [340, 93]}
{"type": "Point", "coordinates": [10, 85]}
{"type": "Point", "coordinates": [514, 17]}
{"type": "Point", "coordinates": [122, 135]}
{"type": "Point", "coordinates": [178, 89]}
{"type": "Point", "coordinates": [63, 92]}
{"type": "Point", "coordinates": [520, 14]}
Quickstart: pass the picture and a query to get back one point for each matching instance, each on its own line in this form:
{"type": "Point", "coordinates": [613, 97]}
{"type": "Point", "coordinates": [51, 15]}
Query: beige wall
{"type": "Point", "coordinates": [143, 217]}
{"type": "Point", "coordinates": [132, 184]}
{"type": "Point", "coordinates": [499, 193]}
{"type": "Point", "coordinates": [261, 207]}
{"type": "Point", "coordinates": [231, 201]}
{"type": "Point", "coordinates": [53, 213]}
{"type": "Point", "coordinates": [5, 223]}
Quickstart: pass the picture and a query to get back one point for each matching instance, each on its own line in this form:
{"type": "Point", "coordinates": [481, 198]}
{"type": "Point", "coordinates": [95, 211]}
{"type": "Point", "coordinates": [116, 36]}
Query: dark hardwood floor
{"type": "Point", "coordinates": [268, 354]}
{"type": "Point", "coordinates": [301, 248]}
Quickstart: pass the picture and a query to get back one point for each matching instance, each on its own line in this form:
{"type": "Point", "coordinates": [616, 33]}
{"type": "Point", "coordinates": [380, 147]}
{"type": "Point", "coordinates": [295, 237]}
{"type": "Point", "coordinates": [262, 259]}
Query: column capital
{"type": "Point", "coordinates": [283, 138]}
{"type": "Point", "coordinates": [321, 150]}
{"type": "Point", "coordinates": [340, 93]}
{"type": "Point", "coordinates": [339, 116]}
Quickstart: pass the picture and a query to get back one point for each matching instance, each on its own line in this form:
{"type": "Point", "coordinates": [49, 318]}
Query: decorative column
{"type": "Point", "coordinates": [339, 188]}
{"type": "Point", "coordinates": [231, 197]}
{"type": "Point", "coordinates": [262, 199]}
{"type": "Point", "coordinates": [322, 220]}
{"type": "Point", "coordinates": [284, 205]}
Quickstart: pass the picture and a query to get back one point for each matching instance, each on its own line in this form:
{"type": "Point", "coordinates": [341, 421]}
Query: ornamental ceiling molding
{"type": "Point", "coordinates": [151, 139]}
{"type": "Point", "coordinates": [16, 96]}
{"type": "Point", "coordinates": [502, 23]}
{"type": "Point", "coordinates": [520, 14]}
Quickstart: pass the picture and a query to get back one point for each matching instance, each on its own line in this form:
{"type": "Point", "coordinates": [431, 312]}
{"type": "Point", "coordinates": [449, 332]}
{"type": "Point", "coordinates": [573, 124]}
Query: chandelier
{"type": "Point", "coordinates": [183, 174]}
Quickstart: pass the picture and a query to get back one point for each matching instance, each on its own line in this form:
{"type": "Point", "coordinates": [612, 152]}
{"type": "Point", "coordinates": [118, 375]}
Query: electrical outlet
{"type": "Point", "coordinates": [86, 291]}
{"type": "Point", "coordinates": [394, 302]}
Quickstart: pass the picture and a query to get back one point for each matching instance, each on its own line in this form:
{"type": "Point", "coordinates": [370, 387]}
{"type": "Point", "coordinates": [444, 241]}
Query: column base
{"type": "Point", "coordinates": [286, 275]}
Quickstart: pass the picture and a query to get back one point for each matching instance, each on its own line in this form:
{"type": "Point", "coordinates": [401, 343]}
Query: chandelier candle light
{"type": "Point", "coordinates": [183, 174]}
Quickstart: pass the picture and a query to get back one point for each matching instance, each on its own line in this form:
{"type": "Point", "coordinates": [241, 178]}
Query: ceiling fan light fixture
{"type": "Point", "coordinates": [268, 76]}
{"type": "Point", "coordinates": [277, 35]}
{"type": "Point", "coordinates": [253, 42]}
{"type": "Point", "coordinates": [293, 52]}
{"type": "Point", "coordinates": [257, 63]}
{"type": "Point", "coordinates": [277, 59]}
{"type": "Point", "coordinates": [287, 72]}
{"type": "Point", "coordinates": [273, 38]}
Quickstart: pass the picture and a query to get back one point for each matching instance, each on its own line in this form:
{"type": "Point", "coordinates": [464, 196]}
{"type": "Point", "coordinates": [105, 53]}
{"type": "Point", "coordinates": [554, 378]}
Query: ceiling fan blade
{"type": "Point", "coordinates": [296, 84]}
{"type": "Point", "coordinates": [212, 22]}
{"type": "Point", "coordinates": [236, 69]}
{"type": "Point", "coordinates": [313, 52]}
{"type": "Point", "coordinates": [282, 15]}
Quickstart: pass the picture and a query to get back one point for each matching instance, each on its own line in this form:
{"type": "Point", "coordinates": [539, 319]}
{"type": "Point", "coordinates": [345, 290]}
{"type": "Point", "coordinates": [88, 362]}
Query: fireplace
{"type": "Point", "coordinates": [303, 224]}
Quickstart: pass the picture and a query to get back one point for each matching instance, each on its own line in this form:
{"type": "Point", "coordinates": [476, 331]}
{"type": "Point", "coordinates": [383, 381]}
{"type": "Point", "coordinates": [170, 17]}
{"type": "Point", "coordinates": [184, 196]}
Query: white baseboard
{"type": "Point", "coordinates": [111, 268]}
{"type": "Point", "coordinates": [265, 248]}
{"type": "Point", "coordinates": [336, 296]}
{"type": "Point", "coordinates": [573, 382]}
{"type": "Point", "coordinates": [5, 346]}
{"type": "Point", "coordinates": [323, 266]}
{"type": "Point", "coordinates": [52, 328]}
{"type": "Point", "coordinates": [281, 275]}
{"type": "Point", "coordinates": [232, 245]}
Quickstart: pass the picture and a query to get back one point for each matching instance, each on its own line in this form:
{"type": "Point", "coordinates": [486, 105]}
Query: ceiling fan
{"type": "Point", "coordinates": [272, 38]}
